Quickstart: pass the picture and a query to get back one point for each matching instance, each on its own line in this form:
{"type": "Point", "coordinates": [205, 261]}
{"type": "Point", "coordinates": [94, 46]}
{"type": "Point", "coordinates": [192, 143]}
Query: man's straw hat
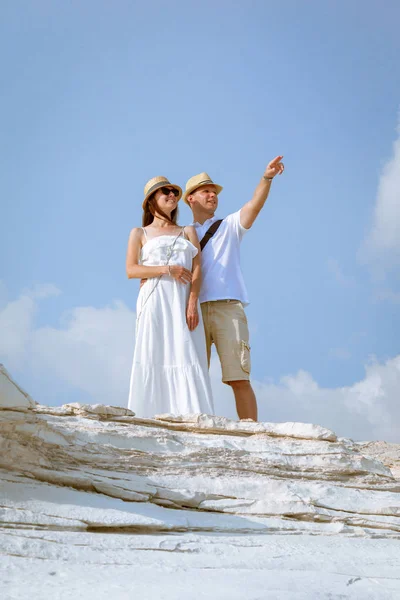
{"type": "Point", "coordinates": [155, 184]}
{"type": "Point", "coordinates": [196, 181]}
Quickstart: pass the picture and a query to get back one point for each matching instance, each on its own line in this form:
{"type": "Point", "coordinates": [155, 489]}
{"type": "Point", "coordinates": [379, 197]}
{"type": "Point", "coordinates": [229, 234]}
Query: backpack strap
{"type": "Point", "coordinates": [209, 233]}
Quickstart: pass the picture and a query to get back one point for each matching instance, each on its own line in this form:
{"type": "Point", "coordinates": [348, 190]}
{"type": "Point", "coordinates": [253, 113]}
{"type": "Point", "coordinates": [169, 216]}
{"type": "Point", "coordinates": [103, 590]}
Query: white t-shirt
{"type": "Point", "coordinates": [221, 272]}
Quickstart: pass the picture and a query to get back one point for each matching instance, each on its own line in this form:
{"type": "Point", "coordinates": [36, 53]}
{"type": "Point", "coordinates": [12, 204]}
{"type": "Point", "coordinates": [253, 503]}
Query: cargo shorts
{"type": "Point", "coordinates": [225, 325]}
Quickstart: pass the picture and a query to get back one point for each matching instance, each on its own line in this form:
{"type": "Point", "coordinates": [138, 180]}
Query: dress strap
{"type": "Point", "coordinates": [145, 233]}
{"type": "Point", "coordinates": [183, 233]}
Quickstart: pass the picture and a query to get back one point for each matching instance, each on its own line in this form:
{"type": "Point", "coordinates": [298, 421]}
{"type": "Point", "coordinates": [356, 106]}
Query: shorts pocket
{"type": "Point", "coordinates": [245, 357]}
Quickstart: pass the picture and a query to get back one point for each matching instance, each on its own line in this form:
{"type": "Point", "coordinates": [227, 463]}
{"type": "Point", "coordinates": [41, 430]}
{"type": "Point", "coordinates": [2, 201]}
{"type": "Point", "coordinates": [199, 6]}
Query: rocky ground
{"type": "Point", "coordinates": [95, 501]}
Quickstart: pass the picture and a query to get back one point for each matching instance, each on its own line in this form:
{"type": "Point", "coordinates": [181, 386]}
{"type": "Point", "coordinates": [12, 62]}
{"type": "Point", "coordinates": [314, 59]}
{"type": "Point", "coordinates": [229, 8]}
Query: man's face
{"type": "Point", "coordinates": [205, 197]}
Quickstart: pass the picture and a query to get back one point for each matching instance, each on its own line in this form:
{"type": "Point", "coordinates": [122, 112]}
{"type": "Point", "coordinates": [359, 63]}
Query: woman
{"type": "Point", "coordinates": [170, 371]}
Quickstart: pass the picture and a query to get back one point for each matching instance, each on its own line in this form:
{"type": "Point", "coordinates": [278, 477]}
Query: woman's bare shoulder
{"type": "Point", "coordinates": [190, 230]}
{"type": "Point", "coordinates": [136, 234]}
{"type": "Point", "coordinates": [191, 235]}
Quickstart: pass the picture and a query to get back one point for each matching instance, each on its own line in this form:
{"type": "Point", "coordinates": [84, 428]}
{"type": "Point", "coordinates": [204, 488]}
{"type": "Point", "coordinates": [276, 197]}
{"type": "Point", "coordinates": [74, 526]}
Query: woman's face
{"type": "Point", "coordinates": [167, 202]}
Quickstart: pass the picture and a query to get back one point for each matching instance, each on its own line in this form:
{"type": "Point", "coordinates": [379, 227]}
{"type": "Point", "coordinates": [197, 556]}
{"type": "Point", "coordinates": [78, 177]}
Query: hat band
{"type": "Point", "coordinates": [204, 182]}
{"type": "Point", "coordinates": [200, 184]}
{"type": "Point", "coordinates": [157, 186]}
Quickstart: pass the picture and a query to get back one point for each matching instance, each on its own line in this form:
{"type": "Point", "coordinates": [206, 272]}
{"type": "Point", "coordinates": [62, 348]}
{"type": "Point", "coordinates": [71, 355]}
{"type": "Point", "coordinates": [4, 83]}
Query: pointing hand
{"type": "Point", "coordinates": [275, 167]}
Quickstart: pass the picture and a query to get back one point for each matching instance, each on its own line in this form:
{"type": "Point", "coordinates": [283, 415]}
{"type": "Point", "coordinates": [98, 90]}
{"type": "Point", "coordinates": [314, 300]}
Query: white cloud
{"type": "Point", "coordinates": [339, 276]}
{"type": "Point", "coordinates": [382, 246]}
{"type": "Point", "coordinates": [16, 321]}
{"type": "Point", "coordinates": [3, 294]}
{"type": "Point", "coordinates": [91, 351]}
{"type": "Point", "coordinates": [368, 409]}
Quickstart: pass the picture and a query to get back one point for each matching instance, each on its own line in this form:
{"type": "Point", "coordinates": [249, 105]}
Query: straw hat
{"type": "Point", "coordinates": [196, 181]}
{"type": "Point", "coordinates": [155, 184]}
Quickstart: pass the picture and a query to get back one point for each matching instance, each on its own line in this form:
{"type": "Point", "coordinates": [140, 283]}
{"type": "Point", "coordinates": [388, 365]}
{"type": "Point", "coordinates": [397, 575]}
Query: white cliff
{"type": "Point", "coordinates": [209, 507]}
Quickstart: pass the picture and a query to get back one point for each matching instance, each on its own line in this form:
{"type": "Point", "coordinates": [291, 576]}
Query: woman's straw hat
{"type": "Point", "coordinates": [155, 184]}
{"type": "Point", "coordinates": [196, 181]}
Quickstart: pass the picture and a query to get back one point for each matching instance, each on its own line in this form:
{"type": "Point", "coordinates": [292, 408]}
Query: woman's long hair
{"type": "Point", "coordinates": [151, 208]}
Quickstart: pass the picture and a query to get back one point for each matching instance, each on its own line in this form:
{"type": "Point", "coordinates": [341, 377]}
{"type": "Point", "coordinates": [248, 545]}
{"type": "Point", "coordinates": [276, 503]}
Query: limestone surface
{"type": "Point", "coordinates": [288, 508]}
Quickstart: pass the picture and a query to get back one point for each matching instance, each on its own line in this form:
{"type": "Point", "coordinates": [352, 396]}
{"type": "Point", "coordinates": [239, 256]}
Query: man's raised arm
{"type": "Point", "coordinates": [250, 210]}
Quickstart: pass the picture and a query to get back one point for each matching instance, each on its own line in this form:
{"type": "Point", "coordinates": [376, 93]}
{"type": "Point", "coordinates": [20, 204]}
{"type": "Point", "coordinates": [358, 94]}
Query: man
{"type": "Point", "coordinates": [223, 293]}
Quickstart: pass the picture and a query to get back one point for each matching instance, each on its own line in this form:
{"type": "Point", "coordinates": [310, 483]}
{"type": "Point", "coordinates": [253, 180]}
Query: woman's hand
{"type": "Point", "coordinates": [192, 315]}
{"type": "Point", "coordinates": [180, 273]}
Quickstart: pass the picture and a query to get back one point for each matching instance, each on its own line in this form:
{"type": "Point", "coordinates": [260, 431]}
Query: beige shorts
{"type": "Point", "coordinates": [225, 325]}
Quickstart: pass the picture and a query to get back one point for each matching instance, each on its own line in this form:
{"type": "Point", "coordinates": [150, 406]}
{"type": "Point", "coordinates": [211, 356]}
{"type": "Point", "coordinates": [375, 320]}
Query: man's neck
{"type": "Point", "coordinates": [201, 217]}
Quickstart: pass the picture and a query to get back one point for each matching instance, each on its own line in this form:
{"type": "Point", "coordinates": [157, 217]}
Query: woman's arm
{"type": "Point", "coordinates": [134, 270]}
{"type": "Point", "coordinates": [192, 315]}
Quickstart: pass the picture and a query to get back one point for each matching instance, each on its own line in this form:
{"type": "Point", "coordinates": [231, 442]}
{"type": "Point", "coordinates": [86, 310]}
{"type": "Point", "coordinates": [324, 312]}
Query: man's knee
{"type": "Point", "coordinates": [240, 385]}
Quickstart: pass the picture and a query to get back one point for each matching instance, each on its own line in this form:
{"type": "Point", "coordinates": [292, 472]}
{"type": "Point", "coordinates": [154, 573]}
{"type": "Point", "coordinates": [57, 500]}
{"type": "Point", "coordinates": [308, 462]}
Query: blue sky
{"type": "Point", "coordinates": [98, 97]}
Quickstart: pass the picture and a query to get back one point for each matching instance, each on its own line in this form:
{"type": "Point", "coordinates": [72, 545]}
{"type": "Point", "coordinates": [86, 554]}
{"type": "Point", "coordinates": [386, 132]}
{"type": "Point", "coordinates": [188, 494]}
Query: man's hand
{"type": "Point", "coordinates": [192, 315]}
{"type": "Point", "coordinates": [180, 273]}
{"type": "Point", "coordinates": [251, 209]}
{"type": "Point", "coordinates": [176, 272]}
{"type": "Point", "coordinates": [275, 167]}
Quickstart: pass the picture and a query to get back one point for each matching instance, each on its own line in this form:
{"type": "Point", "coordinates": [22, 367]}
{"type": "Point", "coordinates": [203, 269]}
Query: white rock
{"type": "Point", "coordinates": [74, 476]}
{"type": "Point", "coordinates": [99, 410]}
{"type": "Point", "coordinates": [220, 424]}
{"type": "Point", "coordinates": [12, 396]}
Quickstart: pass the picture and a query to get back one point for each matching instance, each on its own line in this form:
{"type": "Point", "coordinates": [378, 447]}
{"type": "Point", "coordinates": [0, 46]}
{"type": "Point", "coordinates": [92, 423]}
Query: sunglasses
{"type": "Point", "coordinates": [167, 191]}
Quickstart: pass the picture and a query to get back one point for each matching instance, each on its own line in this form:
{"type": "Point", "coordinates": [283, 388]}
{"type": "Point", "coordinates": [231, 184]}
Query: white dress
{"type": "Point", "coordinates": [170, 370]}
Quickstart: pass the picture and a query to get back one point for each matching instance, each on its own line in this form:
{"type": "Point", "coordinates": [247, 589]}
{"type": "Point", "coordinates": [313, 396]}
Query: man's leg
{"type": "Point", "coordinates": [231, 338]}
{"type": "Point", "coordinates": [246, 403]}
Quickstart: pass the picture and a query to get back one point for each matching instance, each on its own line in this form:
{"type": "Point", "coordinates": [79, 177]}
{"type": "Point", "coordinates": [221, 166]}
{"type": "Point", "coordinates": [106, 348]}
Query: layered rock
{"type": "Point", "coordinates": [220, 474]}
{"type": "Point", "coordinates": [80, 469]}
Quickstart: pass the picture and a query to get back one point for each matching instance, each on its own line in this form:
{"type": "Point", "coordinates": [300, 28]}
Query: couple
{"type": "Point", "coordinates": [179, 274]}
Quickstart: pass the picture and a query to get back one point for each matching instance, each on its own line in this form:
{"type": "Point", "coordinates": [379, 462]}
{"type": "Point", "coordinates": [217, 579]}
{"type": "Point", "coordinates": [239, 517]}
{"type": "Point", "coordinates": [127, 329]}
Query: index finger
{"type": "Point", "coordinates": [276, 160]}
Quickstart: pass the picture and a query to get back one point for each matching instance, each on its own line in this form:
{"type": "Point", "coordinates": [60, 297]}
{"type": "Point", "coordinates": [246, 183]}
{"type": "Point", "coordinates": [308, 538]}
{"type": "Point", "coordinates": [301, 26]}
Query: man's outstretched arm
{"type": "Point", "coordinates": [250, 210]}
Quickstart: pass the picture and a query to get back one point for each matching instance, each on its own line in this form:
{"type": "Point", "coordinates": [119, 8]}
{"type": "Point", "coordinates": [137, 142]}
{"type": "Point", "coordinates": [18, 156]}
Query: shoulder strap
{"type": "Point", "coordinates": [210, 232]}
{"type": "Point", "coordinates": [145, 233]}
